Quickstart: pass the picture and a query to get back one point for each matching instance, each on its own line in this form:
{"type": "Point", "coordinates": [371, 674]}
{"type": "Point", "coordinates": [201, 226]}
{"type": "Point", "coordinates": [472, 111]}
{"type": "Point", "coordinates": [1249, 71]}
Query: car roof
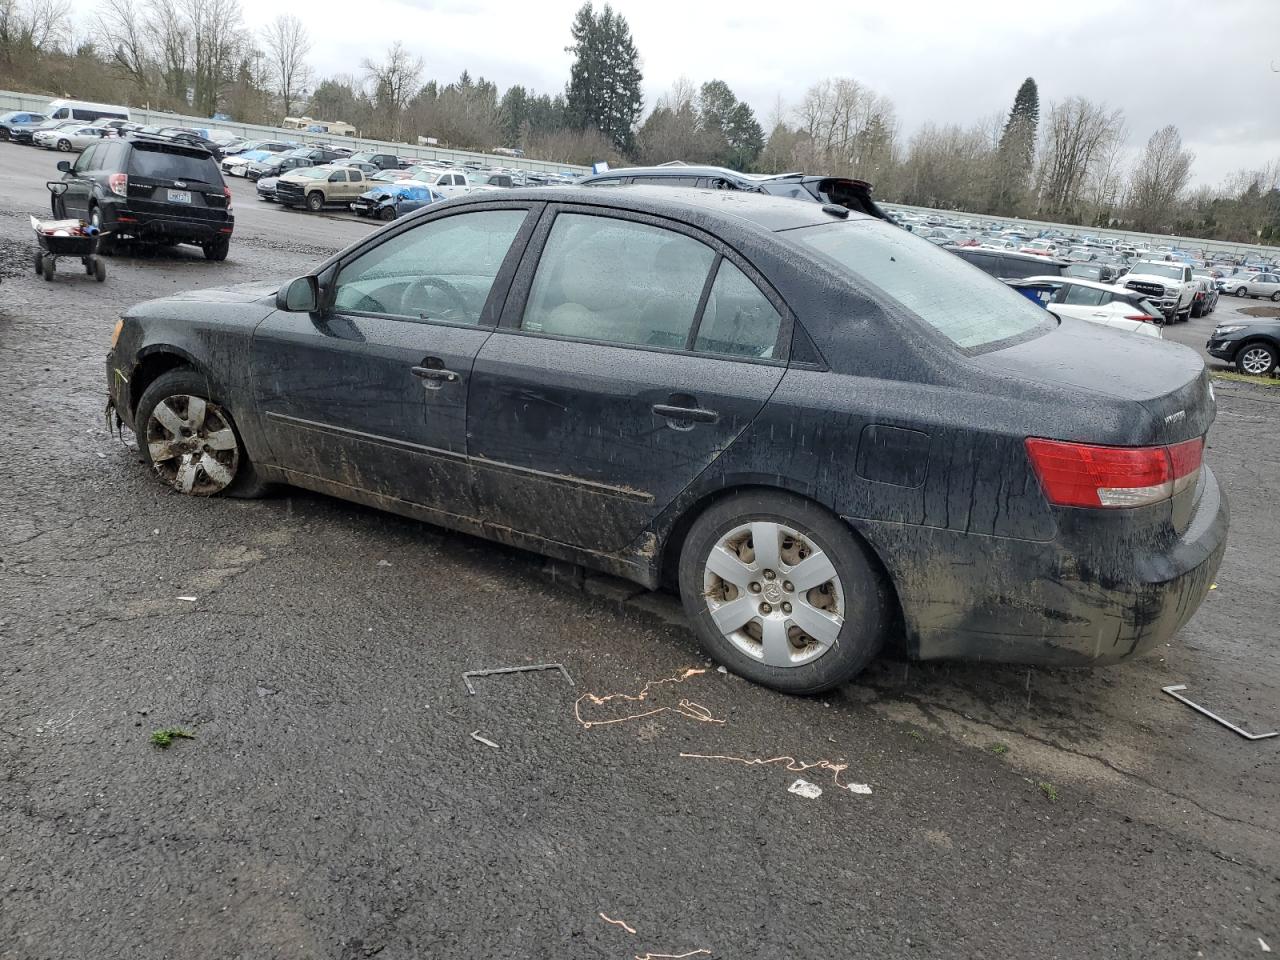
{"type": "Point", "coordinates": [762, 210]}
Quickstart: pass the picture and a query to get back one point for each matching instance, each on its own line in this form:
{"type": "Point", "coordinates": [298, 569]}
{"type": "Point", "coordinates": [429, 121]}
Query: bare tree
{"type": "Point", "coordinates": [1077, 134]}
{"type": "Point", "coordinates": [1160, 176]}
{"type": "Point", "coordinates": [394, 81]}
{"type": "Point", "coordinates": [120, 25]}
{"type": "Point", "coordinates": [29, 28]}
{"type": "Point", "coordinates": [287, 48]}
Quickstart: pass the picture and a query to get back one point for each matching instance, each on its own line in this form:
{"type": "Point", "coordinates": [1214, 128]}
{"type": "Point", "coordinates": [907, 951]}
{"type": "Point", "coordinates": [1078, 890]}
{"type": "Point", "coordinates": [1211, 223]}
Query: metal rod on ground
{"type": "Point", "coordinates": [466, 677]}
{"type": "Point", "coordinates": [1172, 691]}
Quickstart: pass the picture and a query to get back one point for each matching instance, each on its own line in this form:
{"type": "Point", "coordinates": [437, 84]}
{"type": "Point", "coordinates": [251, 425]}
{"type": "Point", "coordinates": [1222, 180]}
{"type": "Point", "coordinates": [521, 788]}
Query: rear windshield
{"type": "Point", "coordinates": [963, 304]}
{"type": "Point", "coordinates": [169, 164]}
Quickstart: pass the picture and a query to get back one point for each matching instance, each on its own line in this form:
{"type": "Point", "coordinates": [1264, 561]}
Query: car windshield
{"type": "Point", "coordinates": [150, 161]}
{"type": "Point", "coordinates": [967, 306]}
{"type": "Point", "coordinates": [1167, 270]}
{"type": "Point", "coordinates": [313, 173]}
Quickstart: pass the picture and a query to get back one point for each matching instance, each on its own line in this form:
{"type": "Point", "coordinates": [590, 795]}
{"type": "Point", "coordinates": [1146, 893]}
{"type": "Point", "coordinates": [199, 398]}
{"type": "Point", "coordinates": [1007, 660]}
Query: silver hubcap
{"type": "Point", "coordinates": [192, 445]}
{"type": "Point", "coordinates": [1255, 360]}
{"type": "Point", "coordinates": [774, 594]}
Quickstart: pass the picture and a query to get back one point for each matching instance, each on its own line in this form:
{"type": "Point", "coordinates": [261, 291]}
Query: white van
{"type": "Point", "coordinates": [83, 110]}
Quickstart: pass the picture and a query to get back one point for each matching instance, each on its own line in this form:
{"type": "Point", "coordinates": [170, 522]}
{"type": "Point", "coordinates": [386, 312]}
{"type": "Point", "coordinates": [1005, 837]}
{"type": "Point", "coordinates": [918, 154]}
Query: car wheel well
{"type": "Point", "coordinates": [150, 369]}
{"type": "Point", "coordinates": [674, 542]}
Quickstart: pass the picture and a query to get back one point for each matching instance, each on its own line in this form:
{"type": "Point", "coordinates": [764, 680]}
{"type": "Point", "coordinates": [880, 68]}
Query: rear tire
{"type": "Point", "coordinates": [217, 249]}
{"type": "Point", "coordinates": [99, 270]}
{"type": "Point", "coordinates": [802, 637]}
{"type": "Point", "coordinates": [175, 389]}
{"type": "Point", "coordinates": [315, 201]}
{"type": "Point", "coordinates": [48, 266]}
{"type": "Point", "coordinates": [1257, 359]}
{"type": "Point", "coordinates": [105, 245]}
{"type": "Point", "coordinates": [1275, 297]}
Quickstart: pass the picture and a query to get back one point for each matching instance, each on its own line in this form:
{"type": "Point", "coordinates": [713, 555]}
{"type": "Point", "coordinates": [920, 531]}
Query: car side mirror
{"type": "Point", "coordinates": [64, 166]}
{"type": "Point", "coordinates": [299, 295]}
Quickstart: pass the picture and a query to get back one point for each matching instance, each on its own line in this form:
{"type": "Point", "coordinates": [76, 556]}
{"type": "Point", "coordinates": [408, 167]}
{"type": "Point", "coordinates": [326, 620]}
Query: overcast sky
{"type": "Point", "coordinates": [1204, 66]}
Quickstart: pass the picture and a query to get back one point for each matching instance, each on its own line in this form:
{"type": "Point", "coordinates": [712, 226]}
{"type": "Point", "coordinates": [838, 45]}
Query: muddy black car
{"type": "Point", "coordinates": [824, 431]}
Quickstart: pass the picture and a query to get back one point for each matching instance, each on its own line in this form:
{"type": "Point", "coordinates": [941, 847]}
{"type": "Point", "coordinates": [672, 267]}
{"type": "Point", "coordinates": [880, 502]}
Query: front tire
{"type": "Point", "coordinates": [189, 440]}
{"type": "Point", "coordinates": [1257, 359]}
{"type": "Point", "coordinates": [782, 592]}
{"type": "Point", "coordinates": [64, 146]}
{"type": "Point", "coordinates": [1275, 297]}
{"type": "Point", "coordinates": [1241, 291]}
{"type": "Point", "coordinates": [387, 213]}
{"type": "Point", "coordinates": [315, 201]}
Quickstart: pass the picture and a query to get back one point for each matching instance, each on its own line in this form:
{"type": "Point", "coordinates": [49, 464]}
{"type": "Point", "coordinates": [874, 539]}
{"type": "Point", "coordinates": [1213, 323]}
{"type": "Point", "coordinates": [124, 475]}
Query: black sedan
{"type": "Point", "coordinates": [1252, 345]}
{"type": "Point", "coordinates": [825, 431]}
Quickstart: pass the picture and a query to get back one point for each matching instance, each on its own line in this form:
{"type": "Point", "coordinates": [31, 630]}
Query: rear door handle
{"type": "Point", "coordinates": [695, 414]}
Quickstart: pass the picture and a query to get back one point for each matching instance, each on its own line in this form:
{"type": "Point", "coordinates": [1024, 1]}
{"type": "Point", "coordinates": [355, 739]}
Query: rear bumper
{"type": "Point", "coordinates": [1016, 601]}
{"type": "Point", "coordinates": [145, 224]}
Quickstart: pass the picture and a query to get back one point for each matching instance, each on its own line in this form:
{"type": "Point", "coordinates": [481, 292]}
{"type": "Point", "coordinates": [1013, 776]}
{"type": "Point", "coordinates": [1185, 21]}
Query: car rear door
{"type": "Point", "coordinates": [632, 352]}
{"type": "Point", "coordinates": [371, 394]}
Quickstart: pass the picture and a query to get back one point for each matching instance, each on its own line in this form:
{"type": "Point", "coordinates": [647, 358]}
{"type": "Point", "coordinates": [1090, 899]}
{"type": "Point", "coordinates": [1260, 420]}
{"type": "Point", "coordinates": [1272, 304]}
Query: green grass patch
{"type": "Point", "coordinates": [162, 738]}
{"type": "Point", "coordinates": [999, 748]}
{"type": "Point", "coordinates": [1049, 790]}
{"type": "Point", "coordinates": [1269, 381]}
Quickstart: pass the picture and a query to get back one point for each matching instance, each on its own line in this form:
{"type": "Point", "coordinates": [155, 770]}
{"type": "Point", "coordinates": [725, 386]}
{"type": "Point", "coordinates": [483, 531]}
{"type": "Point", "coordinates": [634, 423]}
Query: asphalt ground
{"type": "Point", "coordinates": [334, 803]}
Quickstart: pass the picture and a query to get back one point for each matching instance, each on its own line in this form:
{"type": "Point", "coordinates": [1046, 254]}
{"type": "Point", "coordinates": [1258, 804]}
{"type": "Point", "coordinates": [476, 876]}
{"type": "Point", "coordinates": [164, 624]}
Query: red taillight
{"type": "Point", "coordinates": [1140, 316]}
{"type": "Point", "coordinates": [226, 191]}
{"type": "Point", "coordinates": [1082, 475]}
{"type": "Point", "coordinates": [119, 184]}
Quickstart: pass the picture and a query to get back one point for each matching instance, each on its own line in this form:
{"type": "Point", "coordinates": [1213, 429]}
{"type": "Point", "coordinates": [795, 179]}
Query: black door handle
{"type": "Point", "coordinates": [687, 414]}
{"type": "Point", "coordinates": [434, 374]}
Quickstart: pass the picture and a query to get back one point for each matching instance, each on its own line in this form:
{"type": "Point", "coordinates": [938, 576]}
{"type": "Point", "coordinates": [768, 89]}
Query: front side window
{"type": "Point", "coordinates": [970, 309]}
{"type": "Point", "coordinates": [738, 320]}
{"type": "Point", "coordinates": [617, 281]}
{"type": "Point", "coordinates": [85, 160]}
{"type": "Point", "coordinates": [441, 270]}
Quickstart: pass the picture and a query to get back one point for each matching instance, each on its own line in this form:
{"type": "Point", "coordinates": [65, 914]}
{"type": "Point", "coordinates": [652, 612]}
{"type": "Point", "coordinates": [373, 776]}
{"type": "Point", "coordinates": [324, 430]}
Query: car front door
{"type": "Point", "coordinates": [631, 355]}
{"type": "Point", "coordinates": [371, 394]}
{"type": "Point", "coordinates": [75, 202]}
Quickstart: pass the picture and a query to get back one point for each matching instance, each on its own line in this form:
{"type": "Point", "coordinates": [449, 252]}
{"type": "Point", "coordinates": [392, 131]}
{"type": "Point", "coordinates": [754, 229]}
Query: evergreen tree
{"type": "Point", "coordinates": [733, 136]}
{"type": "Point", "coordinates": [604, 81]}
{"type": "Point", "coordinates": [1016, 153]}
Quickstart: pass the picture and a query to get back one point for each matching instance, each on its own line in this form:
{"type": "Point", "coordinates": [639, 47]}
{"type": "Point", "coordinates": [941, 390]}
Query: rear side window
{"type": "Point", "coordinates": [969, 309]}
{"type": "Point", "coordinates": [169, 164]}
{"type": "Point", "coordinates": [738, 320]}
{"type": "Point", "coordinates": [1015, 269]}
{"type": "Point", "coordinates": [617, 281]}
{"type": "Point", "coordinates": [661, 181]}
{"type": "Point", "coordinates": [985, 262]}
{"type": "Point", "coordinates": [1082, 296]}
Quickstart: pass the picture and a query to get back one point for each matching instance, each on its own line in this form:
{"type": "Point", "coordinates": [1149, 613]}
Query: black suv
{"type": "Point", "coordinates": [1009, 264]}
{"type": "Point", "coordinates": [383, 161]}
{"type": "Point", "coordinates": [150, 188]}
{"type": "Point", "coordinates": [281, 164]}
{"type": "Point", "coordinates": [842, 191]}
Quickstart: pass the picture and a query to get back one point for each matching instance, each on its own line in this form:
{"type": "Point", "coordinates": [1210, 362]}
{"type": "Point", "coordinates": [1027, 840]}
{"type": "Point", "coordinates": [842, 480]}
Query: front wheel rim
{"type": "Point", "coordinates": [774, 594]}
{"type": "Point", "coordinates": [192, 446]}
{"type": "Point", "coordinates": [1256, 361]}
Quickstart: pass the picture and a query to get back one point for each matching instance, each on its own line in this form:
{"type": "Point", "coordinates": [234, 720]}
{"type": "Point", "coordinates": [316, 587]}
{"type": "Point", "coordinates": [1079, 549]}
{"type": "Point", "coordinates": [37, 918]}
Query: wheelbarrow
{"type": "Point", "coordinates": [66, 238]}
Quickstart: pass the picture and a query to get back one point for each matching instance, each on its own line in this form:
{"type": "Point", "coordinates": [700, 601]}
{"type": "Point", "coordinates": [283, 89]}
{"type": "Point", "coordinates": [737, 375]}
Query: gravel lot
{"type": "Point", "coordinates": [334, 804]}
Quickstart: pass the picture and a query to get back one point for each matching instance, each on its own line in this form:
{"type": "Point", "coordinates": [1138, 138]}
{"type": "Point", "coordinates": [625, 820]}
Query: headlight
{"type": "Point", "coordinates": [1232, 328]}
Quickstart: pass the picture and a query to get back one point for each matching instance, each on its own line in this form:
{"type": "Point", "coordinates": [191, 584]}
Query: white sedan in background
{"type": "Point", "coordinates": [74, 138]}
{"type": "Point", "coordinates": [1252, 285]}
{"type": "Point", "coordinates": [1101, 303]}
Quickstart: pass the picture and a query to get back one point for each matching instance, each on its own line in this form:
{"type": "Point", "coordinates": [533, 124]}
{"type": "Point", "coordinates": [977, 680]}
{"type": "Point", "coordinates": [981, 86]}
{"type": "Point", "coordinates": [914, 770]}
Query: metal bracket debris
{"type": "Point", "coordinates": [466, 677]}
{"type": "Point", "coordinates": [1173, 692]}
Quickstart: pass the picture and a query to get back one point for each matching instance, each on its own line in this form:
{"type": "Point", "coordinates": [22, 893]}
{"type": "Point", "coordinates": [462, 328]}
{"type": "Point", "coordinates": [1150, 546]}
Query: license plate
{"type": "Point", "coordinates": [179, 196]}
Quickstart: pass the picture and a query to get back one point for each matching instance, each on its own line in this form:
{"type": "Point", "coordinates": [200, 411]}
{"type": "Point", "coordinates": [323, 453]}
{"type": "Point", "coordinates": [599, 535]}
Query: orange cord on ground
{"type": "Point", "coordinates": [618, 923]}
{"type": "Point", "coordinates": [694, 711]}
